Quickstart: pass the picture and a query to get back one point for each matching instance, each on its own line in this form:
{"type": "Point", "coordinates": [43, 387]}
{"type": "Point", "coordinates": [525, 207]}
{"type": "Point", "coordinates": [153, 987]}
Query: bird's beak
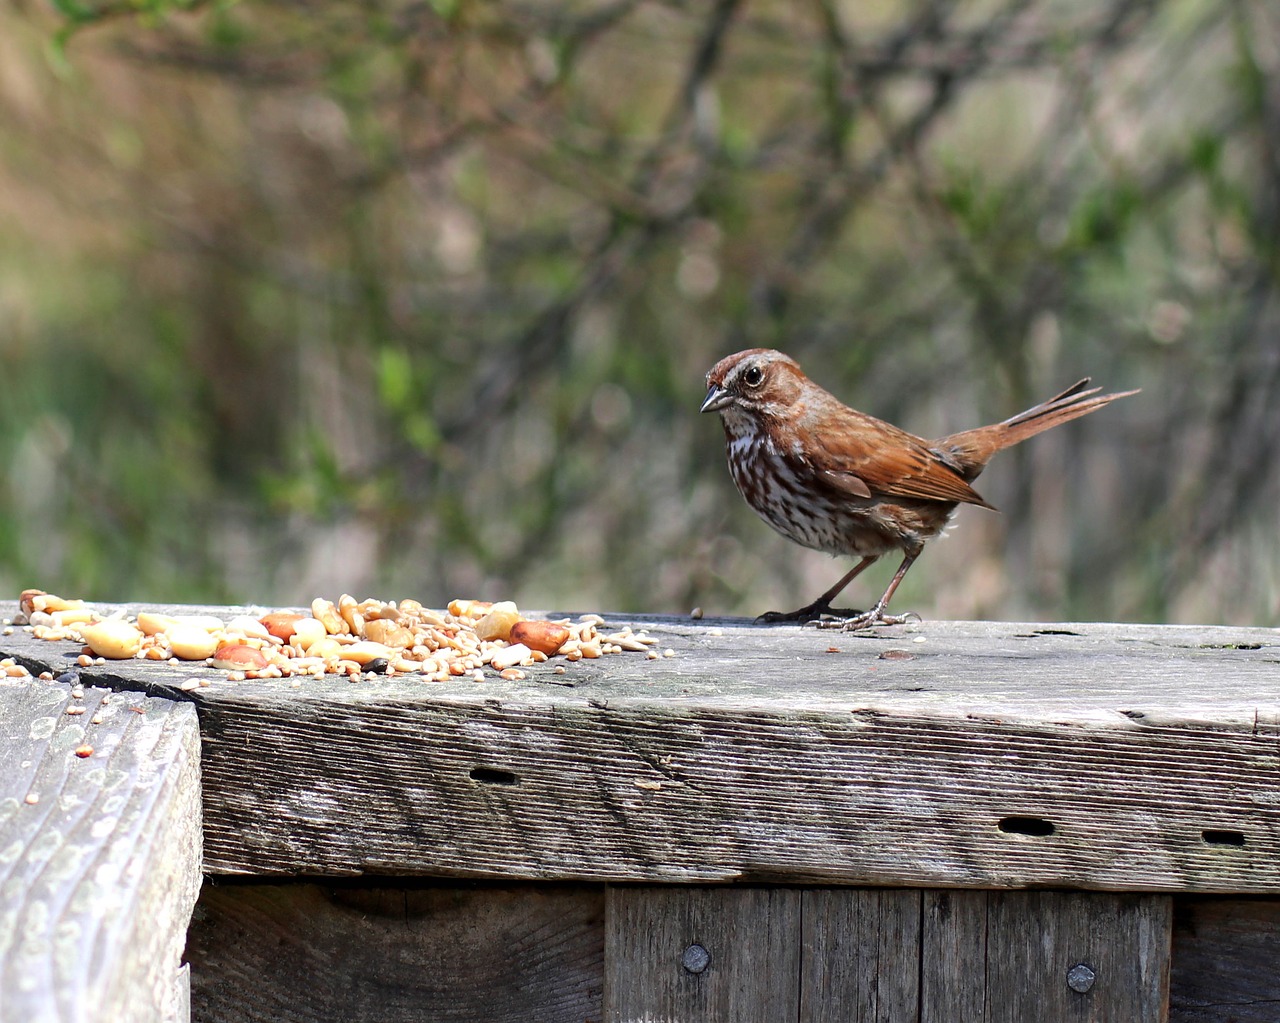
{"type": "Point", "coordinates": [717, 398]}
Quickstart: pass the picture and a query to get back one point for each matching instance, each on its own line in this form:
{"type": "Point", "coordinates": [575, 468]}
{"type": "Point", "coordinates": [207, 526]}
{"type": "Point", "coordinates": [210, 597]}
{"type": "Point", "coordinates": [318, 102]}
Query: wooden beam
{"type": "Point", "coordinates": [99, 853]}
{"type": "Point", "coordinates": [990, 755]}
{"type": "Point", "coordinates": [1224, 961]}
{"type": "Point", "coordinates": [464, 954]}
{"type": "Point", "coordinates": [486, 953]}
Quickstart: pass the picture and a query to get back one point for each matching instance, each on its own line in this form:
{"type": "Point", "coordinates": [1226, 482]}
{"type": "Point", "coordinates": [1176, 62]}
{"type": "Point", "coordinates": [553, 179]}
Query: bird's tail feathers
{"type": "Point", "coordinates": [972, 449]}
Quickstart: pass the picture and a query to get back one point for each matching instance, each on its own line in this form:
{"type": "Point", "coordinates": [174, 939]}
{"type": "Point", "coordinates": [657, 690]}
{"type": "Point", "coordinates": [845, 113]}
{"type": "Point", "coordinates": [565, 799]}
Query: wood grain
{"type": "Point", "coordinates": [1034, 939]}
{"type": "Point", "coordinates": [99, 854]}
{"type": "Point", "coordinates": [885, 956]}
{"type": "Point", "coordinates": [310, 952]}
{"type": "Point", "coordinates": [953, 956]}
{"type": "Point", "coordinates": [750, 935]}
{"type": "Point", "coordinates": [995, 755]}
{"type": "Point", "coordinates": [1225, 953]}
{"type": "Point", "coordinates": [862, 955]}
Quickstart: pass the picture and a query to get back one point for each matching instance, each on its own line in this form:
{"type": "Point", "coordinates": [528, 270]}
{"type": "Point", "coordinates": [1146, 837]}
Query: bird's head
{"type": "Point", "coordinates": [753, 384]}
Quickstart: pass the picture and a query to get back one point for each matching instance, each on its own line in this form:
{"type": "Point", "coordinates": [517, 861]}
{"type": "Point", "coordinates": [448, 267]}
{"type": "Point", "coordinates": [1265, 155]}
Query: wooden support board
{"type": "Point", "coordinates": [99, 853]}
{"type": "Point", "coordinates": [316, 952]}
{"type": "Point", "coordinates": [573, 953]}
{"type": "Point", "coordinates": [977, 755]}
{"type": "Point", "coordinates": [1225, 953]}
{"type": "Point", "coordinates": [869, 956]}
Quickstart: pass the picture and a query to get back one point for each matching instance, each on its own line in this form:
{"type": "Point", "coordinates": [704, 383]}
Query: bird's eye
{"type": "Point", "coordinates": [753, 377]}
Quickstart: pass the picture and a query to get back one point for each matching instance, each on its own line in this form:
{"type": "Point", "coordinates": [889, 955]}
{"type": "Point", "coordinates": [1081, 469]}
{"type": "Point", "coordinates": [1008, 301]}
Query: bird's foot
{"type": "Point", "coordinates": [867, 619]}
{"type": "Point", "coordinates": [819, 612]}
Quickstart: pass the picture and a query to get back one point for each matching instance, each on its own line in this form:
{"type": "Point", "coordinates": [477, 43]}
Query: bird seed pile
{"type": "Point", "coordinates": [350, 637]}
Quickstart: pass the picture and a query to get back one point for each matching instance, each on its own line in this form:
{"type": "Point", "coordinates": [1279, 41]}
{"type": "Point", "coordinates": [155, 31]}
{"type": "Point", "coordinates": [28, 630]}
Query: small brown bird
{"type": "Point", "coordinates": [841, 481]}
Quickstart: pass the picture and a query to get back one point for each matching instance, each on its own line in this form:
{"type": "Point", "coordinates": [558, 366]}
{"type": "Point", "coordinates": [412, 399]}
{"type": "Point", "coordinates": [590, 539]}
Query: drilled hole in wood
{"type": "Point", "coordinates": [1037, 827]}
{"type": "Point", "coordinates": [492, 776]}
{"type": "Point", "coordinates": [1212, 836]}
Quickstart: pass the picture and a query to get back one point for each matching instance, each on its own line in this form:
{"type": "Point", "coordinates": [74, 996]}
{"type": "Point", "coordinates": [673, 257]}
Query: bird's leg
{"type": "Point", "coordinates": [877, 616]}
{"type": "Point", "coordinates": [821, 606]}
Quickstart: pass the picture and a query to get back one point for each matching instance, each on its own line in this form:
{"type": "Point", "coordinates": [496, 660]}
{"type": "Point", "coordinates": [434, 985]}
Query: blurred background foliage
{"type": "Point", "coordinates": [411, 298]}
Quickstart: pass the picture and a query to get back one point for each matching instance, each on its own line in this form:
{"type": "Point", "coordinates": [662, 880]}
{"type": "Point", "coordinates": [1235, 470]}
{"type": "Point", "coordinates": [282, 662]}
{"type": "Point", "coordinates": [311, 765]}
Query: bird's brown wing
{"type": "Point", "coordinates": [878, 459]}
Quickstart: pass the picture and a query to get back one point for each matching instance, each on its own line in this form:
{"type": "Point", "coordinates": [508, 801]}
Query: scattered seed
{"type": "Point", "coordinates": [343, 637]}
{"type": "Point", "coordinates": [84, 751]}
{"type": "Point", "coordinates": [509, 657]}
{"type": "Point", "coordinates": [32, 798]}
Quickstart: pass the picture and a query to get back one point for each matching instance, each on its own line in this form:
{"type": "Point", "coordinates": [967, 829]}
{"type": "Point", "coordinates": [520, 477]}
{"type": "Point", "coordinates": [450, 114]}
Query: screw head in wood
{"type": "Point", "coordinates": [1080, 978]}
{"type": "Point", "coordinates": [695, 959]}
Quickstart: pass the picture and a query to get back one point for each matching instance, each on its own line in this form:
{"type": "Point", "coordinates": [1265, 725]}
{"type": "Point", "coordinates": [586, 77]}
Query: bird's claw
{"type": "Point", "coordinates": [866, 620]}
{"type": "Point", "coordinates": [811, 614]}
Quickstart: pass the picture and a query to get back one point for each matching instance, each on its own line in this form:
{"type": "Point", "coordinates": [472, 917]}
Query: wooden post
{"type": "Point", "coordinates": [99, 854]}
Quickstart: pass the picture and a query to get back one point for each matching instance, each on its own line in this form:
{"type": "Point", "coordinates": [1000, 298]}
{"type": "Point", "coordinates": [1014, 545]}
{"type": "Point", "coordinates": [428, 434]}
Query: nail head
{"type": "Point", "coordinates": [1080, 978]}
{"type": "Point", "coordinates": [695, 959]}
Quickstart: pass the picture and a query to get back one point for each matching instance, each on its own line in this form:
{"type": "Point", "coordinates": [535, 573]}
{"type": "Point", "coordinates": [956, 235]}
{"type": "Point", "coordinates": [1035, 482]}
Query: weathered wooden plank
{"type": "Point", "coordinates": [1049, 956]}
{"type": "Point", "coordinates": [861, 955]}
{"type": "Point", "coordinates": [307, 952]}
{"type": "Point", "coordinates": [998, 755]}
{"type": "Point", "coordinates": [638, 790]}
{"type": "Point", "coordinates": [99, 853]}
{"type": "Point", "coordinates": [1167, 674]}
{"type": "Point", "coordinates": [1225, 953]}
{"type": "Point", "coordinates": [1063, 956]}
{"type": "Point", "coordinates": [885, 956]}
{"type": "Point", "coordinates": [953, 956]}
{"type": "Point", "coordinates": [717, 955]}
